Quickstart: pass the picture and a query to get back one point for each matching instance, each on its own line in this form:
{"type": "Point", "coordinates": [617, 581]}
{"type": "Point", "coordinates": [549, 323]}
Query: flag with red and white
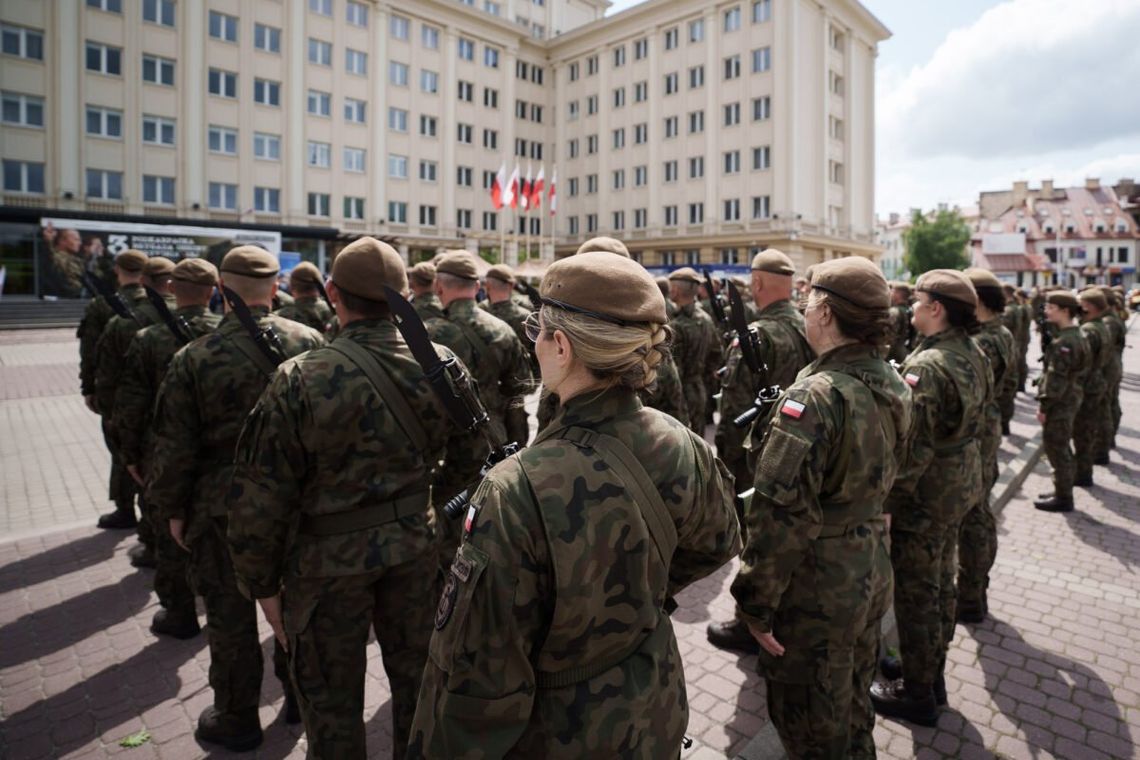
{"type": "Point", "coordinates": [551, 199]}
{"type": "Point", "coordinates": [793, 409]}
{"type": "Point", "coordinates": [511, 191]}
{"type": "Point", "coordinates": [497, 186]}
{"type": "Point", "coordinates": [524, 191]}
{"type": "Point", "coordinates": [911, 379]}
{"type": "Point", "coordinates": [536, 189]}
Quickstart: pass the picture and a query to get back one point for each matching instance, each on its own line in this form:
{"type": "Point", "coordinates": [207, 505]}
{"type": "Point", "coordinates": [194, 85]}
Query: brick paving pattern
{"type": "Point", "coordinates": [1055, 672]}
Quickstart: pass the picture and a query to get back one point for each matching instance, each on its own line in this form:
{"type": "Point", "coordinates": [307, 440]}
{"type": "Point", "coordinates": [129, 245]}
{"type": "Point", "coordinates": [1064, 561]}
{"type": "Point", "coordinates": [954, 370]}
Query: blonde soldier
{"type": "Point", "coordinates": [308, 307]}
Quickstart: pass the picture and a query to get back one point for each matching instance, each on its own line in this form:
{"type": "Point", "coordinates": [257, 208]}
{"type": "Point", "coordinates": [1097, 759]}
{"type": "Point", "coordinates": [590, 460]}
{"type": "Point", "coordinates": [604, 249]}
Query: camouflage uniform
{"type": "Point", "coordinates": [308, 310]}
{"type": "Point", "coordinates": [1115, 373]}
{"type": "Point", "coordinates": [514, 314]}
{"type": "Point", "coordinates": [977, 536]}
{"type": "Point", "coordinates": [1087, 443]}
{"type": "Point", "coordinates": [208, 391]}
{"type": "Point", "coordinates": [1060, 394]}
{"type": "Point", "coordinates": [322, 445]}
{"type": "Point", "coordinates": [900, 333]}
{"type": "Point", "coordinates": [550, 640]}
{"type": "Point", "coordinates": [784, 349]}
{"type": "Point", "coordinates": [1013, 318]}
{"type": "Point", "coordinates": [282, 299]}
{"type": "Point", "coordinates": [696, 350]}
{"type": "Point", "coordinates": [940, 480]}
{"type": "Point", "coordinates": [428, 307]}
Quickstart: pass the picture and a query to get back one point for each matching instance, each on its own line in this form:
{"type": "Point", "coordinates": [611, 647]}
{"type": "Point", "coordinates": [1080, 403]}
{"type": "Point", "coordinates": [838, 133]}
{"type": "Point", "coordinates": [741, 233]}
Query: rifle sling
{"type": "Point", "coordinates": [248, 346]}
{"type": "Point", "coordinates": [383, 384]}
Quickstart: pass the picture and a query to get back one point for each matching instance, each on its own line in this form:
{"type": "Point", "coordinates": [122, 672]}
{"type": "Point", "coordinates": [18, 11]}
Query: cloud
{"type": "Point", "coordinates": [1028, 77]}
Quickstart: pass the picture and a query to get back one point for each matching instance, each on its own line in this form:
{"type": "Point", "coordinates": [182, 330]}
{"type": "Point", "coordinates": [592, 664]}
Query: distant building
{"type": "Point", "coordinates": [891, 235]}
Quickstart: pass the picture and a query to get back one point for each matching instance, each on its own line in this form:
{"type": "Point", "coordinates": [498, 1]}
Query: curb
{"type": "Point", "coordinates": [766, 744]}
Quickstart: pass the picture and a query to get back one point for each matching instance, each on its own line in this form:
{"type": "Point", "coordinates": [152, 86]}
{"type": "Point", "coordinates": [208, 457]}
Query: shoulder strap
{"type": "Point", "coordinates": [473, 338]}
{"type": "Point", "coordinates": [246, 346]}
{"type": "Point", "coordinates": [389, 393]}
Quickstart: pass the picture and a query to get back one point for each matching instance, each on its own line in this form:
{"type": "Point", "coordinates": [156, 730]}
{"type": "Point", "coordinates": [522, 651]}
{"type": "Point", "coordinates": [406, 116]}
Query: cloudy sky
{"type": "Point", "coordinates": [974, 94]}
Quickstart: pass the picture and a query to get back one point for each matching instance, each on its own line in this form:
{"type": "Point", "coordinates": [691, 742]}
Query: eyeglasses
{"type": "Point", "coordinates": [532, 326]}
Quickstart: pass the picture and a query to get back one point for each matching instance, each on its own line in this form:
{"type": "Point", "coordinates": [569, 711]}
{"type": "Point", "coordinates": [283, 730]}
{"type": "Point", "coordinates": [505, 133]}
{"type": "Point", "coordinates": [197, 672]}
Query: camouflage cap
{"type": "Point", "coordinates": [612, 245]}
{"type": "Point", "coordinates": [983, 278]}
{"type": "Point", "coordinates": [196, 272]}
{"type": "Point", "coordinates": [458, 264]}
{"type": "Point", "coordinates": [131, 260]}
{"type": "Point", "coordinates": [604, 286]}
{"type": "Point", "coordinates": [306, 272]}
{"type": "Point", "coordinates": [502, 273]}
{"type": "Point", "coordinates": [773, 261]}
{"type": "Point", "coordinates": [422, 273]}
{"type": "Point", "coordinates": [948, 283]}
{"type": "Point", "coordinates": [1094, 296]}
{"type": "Point", "coordinates": [365, 266]}
{"type": "Point", "coordinates": [1063, 298]}
{"type": "Point", "coordinates": [158, 266]}
{"type": "Point", "coordinates": [686, 274]}
{"type": "Point", "coordinates": [855, 280]}
{"type": "Point", "coordinates": [250, 261]}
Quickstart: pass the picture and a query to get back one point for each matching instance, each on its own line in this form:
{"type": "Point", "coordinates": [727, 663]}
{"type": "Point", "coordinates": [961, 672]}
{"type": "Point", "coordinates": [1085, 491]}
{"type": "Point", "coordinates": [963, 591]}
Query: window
{"type": "Point", "coordinates": [761, 158]}
{"type": "Point", "coordinates": [158, 189]}
{"type": "Point", "coordinates": [223, 27]}
{"type": "Point", "coordinates": [429, 170]}
{"type": "Point", "coordinates": [572, 187]}
{"type": "Point", "coordinates": [427, 216]}
{"type": "Point", "coordinates": [520, 147]}
{"type": "Point", "coordinates": [835, 172]}
{"type": "Point", "coordinates": [319, 103]}
{"type": "Point", "coordinates": [572, 225]}
{"type": "Point", "coordinates": [640, 48]}
{"type": "Point", "coordinates": [591, 105]}
{"type": "Point", "coordinates": [670, 126]}
{"type": "Point", "coordinates": [732, 162]}
{"type": "Point", "coordinates": [619, 56]}
{"type": "Point", "coordinates": [23, 176]}
{"type": "Point", "coordinates": [428, 125]}
{"type": "Point", "coordinates": [222, 83]}
{"type": "Point", "coordinates": [104, 59]}
{"type": "Point", "coordinates": [671, 38]}
{"type": "Point", "coordinates": [101, 184]}
{"type": "Point", "coordinates": [491, 139]}
{"type": "Point", "coordinates": [491, 57]}
{"type": "Point", "coordinates": [696, 122]}
{"type": "Point", "coordinates": [490, 221]}
{"type": "Point", "coordinates": [835, 38]}
{"type": "Point", "coordinates": [591, 183]}
{"type": "Point", "coordinates": [320, 52]}
{"type": "Point", "coordinates": [640, 133]}
{"type": "Point", "coordinates": [761, 11]}
{"type": "Point", "coordinates": [761, 108]}
{"type": "Point", "coordinates": [355, 111]}
{"type": "Point", "coordinates": [495, 10]}
{"type": "Point", "coordinates": [618, 179]}
{"type": "Point", "coordinates": [572, 148]}
{"type": "Point", "coordinates": [160, 12]}
{"type": "Point", "coordinates": [465, 133]}
{"type": "Point", "coordinates": [490, 97]}
{"type": "Point", "coordinates": [223, 195]}
{"type": "Point", "coordinates": [397, 212]}
{"type": "Point", "coordinates": [591, 144]}
{"type": "Point", "coordinates": [697, 30]}
{"type": "Point", "coordinates": [464, 176]}
{"type": "Point", "coordinates": [319, 204]}
{"type": "Point", "coordinates": [321, 7]}
{"type": "Point", "coordinates": [591, 65]}
{"type": "Point", "coordinates": [267, 38]}
{"type": "Point", "coordinates": [398, 27]}
{"type": "Point", "coordinates": [619, 97]}
{"type": "Point", "coordinates": [591, 222]}
{"type": "Point", "coordinates": [732, 19]}
{"type": "Point", "coordinates": [159, 131]}
{"type": "Point", "coordinates": [320, 154]}
{"type": "Point", "coordinates": [732, 210]}
{"type": "Point", "coordinates": [463, 218]}
{"type": "Point", "coordinates": [353, 207]}
{"type": "Point", "coordinates": [354, 160]}
{"type": "Point", "coordinates": [732, 67]}
{"type": "Point", "coordinates": [110, 6]}
{"type": "Point", "coordinates": [398, 73]}
{"type": "Point", "coordinates": [761, 59]}
{"type": "Point", "coordinates": [466, 91]}
{"type": "Point", "coordinates": [835, 83]}
{"type": "Point", "coordinates": [640, 218]}
{"type": "Point", "coordinates": [22, 43]}
{"type": "Point", "coordinates": [671, 171]}
{"type": "Point", "coordinates": [670, 215]}
{"type": "Point", "coordinates": [696, 167]}
{"type": "Point", "coordinates": [24, 110]}
{"type": "Point", "coordinates": [158, 70]}
{"type": "Point", "coordinates": [536, 150]}
{"type": "Point", "coordinates": [429, 36]}
{"type": "Point", "coordinates": [696, 213]}
{"type": "Point", "coordinates": [266, 146]}
{"type": "Point", "coordinates": [520, 109]}
{"type": "Point", "coordinates": [760, 206]}
{"type": "Point", "coordinates": [640, 176]}
{"type": "Point", "coordinates": [357, 14]}
{"type": "Point", "coordinates": [397, 166]}
{"type": "Point", "coordinates": [835, 127]}
{"type": "Point", "coordinates": [267, 199]}
{"type": "Point", "coordinates": [618, 220]}
{"type": "Point", "coordinates": [731, 114]}
{"type": "Point", "coordinates": [671, 83]}
{"type": "Point", "coordinates": [572, 110]}
{"type": "Point", "coordinates": [429, 81]}
{"type": "Point", "coordinates": [640, 92]}
{"type": "Point", "coordinates": [266, 92]}
{"type": "Point", "coordinates": [101, 122]}
{"type": "Point", "coordinates": [466, 49]}
{"type": "Point", "coordinates": [573, 73]}
{"type": "Point", "coordinates": [356, 62]}
{"type": "Point", "coordinates": [696, 77]}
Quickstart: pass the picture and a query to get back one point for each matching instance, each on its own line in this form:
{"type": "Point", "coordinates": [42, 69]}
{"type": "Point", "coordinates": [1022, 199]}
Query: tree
{"type": "Point", "coordinates": [938, 243]}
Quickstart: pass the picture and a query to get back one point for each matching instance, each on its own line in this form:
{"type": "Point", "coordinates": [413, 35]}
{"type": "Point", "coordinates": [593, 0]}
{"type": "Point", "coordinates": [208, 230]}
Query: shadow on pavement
{"type": "Point", "coordinates": [61, 560]}
{"type": "Point", "coordinates": [1118, 542]}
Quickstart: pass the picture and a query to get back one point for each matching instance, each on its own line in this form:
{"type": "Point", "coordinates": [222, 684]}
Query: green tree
{"type": "Point", "coordinates": [938, 243]}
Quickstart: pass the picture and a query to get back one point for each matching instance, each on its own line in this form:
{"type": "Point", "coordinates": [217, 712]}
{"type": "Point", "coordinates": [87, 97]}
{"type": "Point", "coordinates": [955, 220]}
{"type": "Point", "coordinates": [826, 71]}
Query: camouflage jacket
{"type": "Point", "coordinates": [282, 299]}
{"type": "Point", "coordinates": [1000, 348]}
{"type": "Point", "coordinates": [827, 461]}
{"type": "Point", "coordinates": [1116, 332]}
{"type": "Point", "coordinates": [309, 310]}
{"type": "Point", "coordinates": [428, 307]}
{"type": "Point", "coordinates": [941, 477]}
{"type": "Point", "coordinates": [1014, 317]}
{"type": "Point", "coordinates": [696, 345]}
{"type": "Point", "coordinates": [1101, 350]}
{"type": "Point", "coordinates": [1067, 363]}
{"type": "Point", "coordinates": [321, 441]}
{"type": "Point", "coordinates": [1023, 326]}
{"type": "Point", "coordinates": [900, 332]}
{"type": "Point", "coordinates": [147, 359]}
{"type": "Point", "coordinates": [493, 353]}
{"type": "Point", "coordinates": [203, 401]}
{"type": "Point", "coordinates": [111, 351]}
{"type": "Point", "coordinates": [557, 578]}
{"type": "Point", "coordinates": [95, 317]}
{"type": "Point", "coordinates": [514, 314]}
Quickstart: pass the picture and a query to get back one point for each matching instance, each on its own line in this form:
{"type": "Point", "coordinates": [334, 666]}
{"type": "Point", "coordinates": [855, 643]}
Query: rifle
{"type": "Point", "coordinates": [177, 325]}
{"type": "Point", "coordinates": [266, 340]}
{"type": "Point", "coordinates": [531, 293]}
{"type": "Point", "coordinates": [113, 298]}
{"type": "Point", "coordinates": [453, 387]}
{"type": "Point", "coordinates": [748, 340]}
{"type": "Point", "coordinates": [325, 295]}
{"type": "Point", "coordinates": [1046, 337]}
{"type": "Point", "coordinates": [717, 305]}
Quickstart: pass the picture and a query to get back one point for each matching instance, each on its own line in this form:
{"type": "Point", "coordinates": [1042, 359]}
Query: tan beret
{"type": "Point", "coordinates": [502, 273]}
{"type": "Point", "coordinates": [1094, 296]}
{"type": "Point", "coordinates": [365, 266]}
{"type": "Point", "coordinates": [902, 285]}
{"type": "Point", "coordinates": [158, 266]}
{"type": "Point", "coordinates": [1064, 299]}
{"type": "Point", "coordinates": [612, 288]}
{"type": "Point", "coordinates": [250, 261]}
{"type": "Point", "coordinates": [983, 278]}
{"type": "Point", "coordinates": [458, 264]}
{"type": "Point", "coordinates": [773, 261]}
{"type": "Point", "coordinates": [422, 273]}
{"type": "Point", "coordinates": [854, 279]}
{"type": "Point", "coordinates": [948, 283]}
{"type": "Point", "coordinates": [1008, 288]}
{"type": "Point", "coordinates": [196, 272]}
{"type": "Point", "coordinates": [131, 260]}
{"type": "Point", "coordinates": [685, 274]}
{"type": "Point", "coordinates": [306, 272]}
{"type": "Point", "coordinates": [608, 244]}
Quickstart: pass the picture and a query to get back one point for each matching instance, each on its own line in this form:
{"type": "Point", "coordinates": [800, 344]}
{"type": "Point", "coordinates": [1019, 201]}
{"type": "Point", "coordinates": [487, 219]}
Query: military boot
{"type": "Point", "coordinates": [142, 555]}
{"type": "Point", "coordinates": [940, 690]}
{"type": "Point", "coordinates": [237, 732]}
{"type": "Point", "coordinates": [1005, 428]}
{"type": "Point", "coordinates": [1054, 503]}
{"type": "Point", "coordinates": [891, 667]}
{"type": "Point", "coordinates": [733, 635]}
{"type": "Point", "coordinates": [1084, 481]}
{"type": "Point", "coordinates": [1102, 460]}
{"type": "Point", "coordinates": [120, 519]}
{"type": "Point", "coordinates": [292, 711]}
{"type": "Point", "coordinates": [972, 613]}
{"type": "Point", "coordinates": [908, 701]}
{"type": "Point", "coordinates": [178, 625]}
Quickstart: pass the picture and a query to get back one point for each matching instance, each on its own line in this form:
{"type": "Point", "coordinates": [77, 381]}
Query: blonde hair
{"type": "Point", "coordinates": [626, 356]}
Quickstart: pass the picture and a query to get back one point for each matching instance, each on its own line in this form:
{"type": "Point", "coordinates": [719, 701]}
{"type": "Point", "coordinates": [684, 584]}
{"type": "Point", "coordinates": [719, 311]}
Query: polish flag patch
{"type": "Point", "coordinates": [793, 409]}
{"type": "Point", "coordinates": [911, 379]}
{"type": "Point", "coordinates": [469, 523]}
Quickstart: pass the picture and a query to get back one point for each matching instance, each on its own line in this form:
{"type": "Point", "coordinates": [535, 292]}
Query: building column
{"type": "Point", "coordinates": [449, 44]}
{"type": "Point", "coordinates": [713, 74]}
{"type": "Point", "coordinates": [295, 211]}
{"type": "Point", "coordinates": [192, 39]}
{"type": "Point", "coordinates": [511, 252]}
{"type": "Point", "coordinates": [67, 161]}
{"type": "Point", "coordinates": [378, 165]}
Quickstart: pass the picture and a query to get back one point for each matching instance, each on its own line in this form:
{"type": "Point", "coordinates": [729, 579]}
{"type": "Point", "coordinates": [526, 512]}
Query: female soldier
{"type": "Point", "coordinates": [551, 637]}
{"type": "Point", "coordinates": [816, 574]}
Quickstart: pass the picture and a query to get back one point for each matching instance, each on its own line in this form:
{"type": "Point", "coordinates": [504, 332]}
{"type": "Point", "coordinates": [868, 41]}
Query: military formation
{"type": "Point", "coordinates": [354, 465]}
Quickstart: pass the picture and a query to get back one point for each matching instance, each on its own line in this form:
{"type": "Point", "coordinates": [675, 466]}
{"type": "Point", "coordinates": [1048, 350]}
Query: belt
{"type": "Point", "coordinates": [363, 518]}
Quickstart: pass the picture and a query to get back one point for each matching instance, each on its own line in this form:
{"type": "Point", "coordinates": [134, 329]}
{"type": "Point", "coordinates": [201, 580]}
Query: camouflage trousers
{"type": "Point", "coordinates": [924, 597]}
{"type": "Point", "coordinates": [1112, 416]}
{"type": "Point", "coordinates": [695, 399]}
{"type": "Point", "coordinates": [121, 487]}
{"type": "Point", "coordinates": [1057, 434]}
{"type": "Point", "coordinates": [1022, 364]}
{"type": "Point", "coordinates": [730, 449]}
{"type": "Point", "coordinates": [977, 550]}
{"type": "Point", "coordinates": [172, 571]}
{"type": "Point", "coordinates": [1007, 404]}
{"type": "Point", "coordinates": [328, 621]}
{"type": "Point", "coordinates": [231, 626]}
{"type": "Point", "coordinates": [1088, 436]}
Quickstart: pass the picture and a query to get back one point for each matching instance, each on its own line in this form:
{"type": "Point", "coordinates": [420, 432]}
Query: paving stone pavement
{"type": "Point", "coordinates": [1055, 672]}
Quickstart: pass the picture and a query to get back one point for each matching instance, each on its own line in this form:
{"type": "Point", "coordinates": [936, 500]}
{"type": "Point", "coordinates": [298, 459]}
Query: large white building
{"type": "Point", "coordinates": [696, 131]}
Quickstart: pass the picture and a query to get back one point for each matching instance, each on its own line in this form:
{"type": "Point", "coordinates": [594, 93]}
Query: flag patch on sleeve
{"type": "Point", "coordinates": [793, 409]}
{"type": "Point", "coordinates": [911, 379]}
{"type": "Point", "coordinates": [469, 523]}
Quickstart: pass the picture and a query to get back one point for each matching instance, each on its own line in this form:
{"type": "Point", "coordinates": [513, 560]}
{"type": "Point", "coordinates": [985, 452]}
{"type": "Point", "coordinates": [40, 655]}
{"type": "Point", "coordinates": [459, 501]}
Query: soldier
{"type": "Point", "coordinates": [1089, 445]}
{"type": "Point", "coordinates": [1012, 317]}
{"type": "Point", "coordinates": [1116, 333]}
{"type": "Point", "coordinates": [901, 330]}
{"type": "Point", "coordinates": [485, 343]}
{"type": "Point", "coordinates": [977, 537]}
{"type": "Point", "coordinates": [308, 307]}
{"type": "Point", "coordinates": [147, 359]}
{"type": "Point", "coordinates": [421, 281]}
{"type": "Point", "coordinates": [941, 479]}
{"type": "Point", "coordinates": [815, 577]}
{"type": "Point", "coordinates": [550, 640]}
{"type": "Point", "coordinates": [801, 289]}
{"type": "Point", "coordinates": [499, 283]}
{"type": "Point", "coordinates": [698, 349]}
{"type": "Point", "coordinates": [209, 389]}
{"type": "Point", "coordinates": [345, 443]}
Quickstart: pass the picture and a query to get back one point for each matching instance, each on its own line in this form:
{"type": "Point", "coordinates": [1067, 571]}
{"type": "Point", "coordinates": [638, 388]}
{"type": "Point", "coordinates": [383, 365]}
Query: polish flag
{"type": "Point", "coordinates": [497, 187]}
{"type": "Point", "coordinates": [552, 199]}
{"type": "Point", "coordinates": [511, 191]}
{"type": "Point", "coordinates": [536, 189]}
{"type": "Point", "coordinates": [524, 192]}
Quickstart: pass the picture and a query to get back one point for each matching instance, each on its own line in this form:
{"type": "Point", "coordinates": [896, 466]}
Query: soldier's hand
{"type": "Point", "coordinates": [1041, 416]}
{"type": "Point", "coordinates": [271, 607]}
{"type": "Point", "coordinates": [89, 399]}
{"type": "Point", "coordinates": [177, 528]}
{"type": "Point", "coordinates": [766, 640]}
{"type": "Point", "coordinates": [136, 473]}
